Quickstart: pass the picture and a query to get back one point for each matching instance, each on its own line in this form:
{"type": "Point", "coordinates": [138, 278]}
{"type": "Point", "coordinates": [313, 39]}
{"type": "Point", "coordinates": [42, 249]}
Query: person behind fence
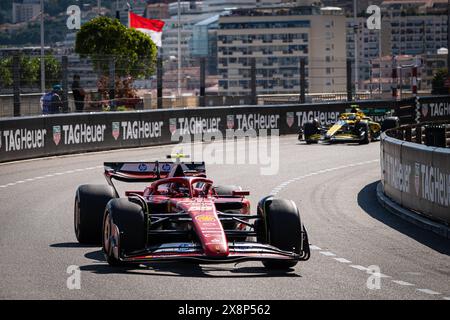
{"type": "Point", "coordinates": [78, 94]}
{"type": "Point", "coordinates": [52, 101]}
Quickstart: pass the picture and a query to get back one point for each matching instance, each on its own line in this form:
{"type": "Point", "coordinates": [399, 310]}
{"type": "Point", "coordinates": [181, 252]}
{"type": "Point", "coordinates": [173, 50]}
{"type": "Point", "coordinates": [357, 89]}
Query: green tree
{"type": "Point", "coordinates": [438, 82]}
{"type": "Point", "coordinates": [103, 39]}
{"type": "Point", "coordinates": [30, 71]}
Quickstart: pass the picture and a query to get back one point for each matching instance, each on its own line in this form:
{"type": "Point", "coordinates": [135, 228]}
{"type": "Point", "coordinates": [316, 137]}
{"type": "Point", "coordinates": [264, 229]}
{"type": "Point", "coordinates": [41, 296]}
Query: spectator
{"type": "Point", "coordinates": [78, 94]}
{"type": "Point", "coordinates": [56, 104]}
{"type": "Point", "coordinates": [51, 102]}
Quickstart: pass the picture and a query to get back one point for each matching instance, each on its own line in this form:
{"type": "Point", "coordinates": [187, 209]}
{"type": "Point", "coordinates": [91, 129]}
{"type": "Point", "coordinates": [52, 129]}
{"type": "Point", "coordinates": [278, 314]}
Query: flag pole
{"type": "Point", "coordinates": [42, 49]}
{"type": "Point", "coordinates": [356, 27]}
{"type": "Point", "coordinates": [179, 49]}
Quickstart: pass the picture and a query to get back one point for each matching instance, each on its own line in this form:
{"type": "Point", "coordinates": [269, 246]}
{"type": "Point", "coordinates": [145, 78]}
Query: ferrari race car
{"type": "Point", "coordinates": [353, 126]}
{"type": "Point", "coordinates": [183, 216]}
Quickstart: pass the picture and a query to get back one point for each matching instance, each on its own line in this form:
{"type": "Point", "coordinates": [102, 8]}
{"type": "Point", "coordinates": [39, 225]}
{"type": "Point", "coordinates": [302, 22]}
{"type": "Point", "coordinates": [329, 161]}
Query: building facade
{"type": "Point", "coordinates": [25, 10]}
{"type": "Point", "coordinates": [277, 38]}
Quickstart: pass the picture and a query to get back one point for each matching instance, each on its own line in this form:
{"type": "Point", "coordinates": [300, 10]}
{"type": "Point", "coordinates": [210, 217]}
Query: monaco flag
{"type": "Point", "coordinates": [152, 28]}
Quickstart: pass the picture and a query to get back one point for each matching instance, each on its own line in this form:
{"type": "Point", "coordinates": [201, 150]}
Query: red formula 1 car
{"type": "Point", "coordinates": [182, 216]}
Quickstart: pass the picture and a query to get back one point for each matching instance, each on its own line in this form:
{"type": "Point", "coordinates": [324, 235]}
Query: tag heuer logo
{"type": "Point", "coordinates": [290, 119]}
{"type": "Point", "coordinates": [116, 130]}
{"type": "Point", "coordinates": [173, 125]}
{"type": "Point", "coordinates": [424, 110]}
{"type": "Point", "coordinates": [417, 178]}
{"type": "Point", "coordinates": [57, 134]}
{"type": "Point", "coordinates": [230, 121]}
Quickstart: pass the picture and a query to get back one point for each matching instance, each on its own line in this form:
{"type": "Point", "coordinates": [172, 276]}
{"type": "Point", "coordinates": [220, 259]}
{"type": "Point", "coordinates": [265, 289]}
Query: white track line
{"type": "Point", "coordinates": [403, 283]}
{"type": "Point", "coordinates": [428, 291]}
{"type": "Point", "coordinates": [49, 176]}
{"type": "Point", "coordinates": [342, 260]}
{"type": "Point", "coordinates": [327, 253]}
{"type": "Point", "coordinates": [283, 185]}
{"type": "Point", "coordinates": [358, 267]}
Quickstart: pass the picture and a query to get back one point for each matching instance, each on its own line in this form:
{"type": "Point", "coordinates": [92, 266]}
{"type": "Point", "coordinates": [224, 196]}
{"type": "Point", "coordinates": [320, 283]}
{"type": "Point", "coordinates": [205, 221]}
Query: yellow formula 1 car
{"type": "Point", "coordinates": [353, 126]}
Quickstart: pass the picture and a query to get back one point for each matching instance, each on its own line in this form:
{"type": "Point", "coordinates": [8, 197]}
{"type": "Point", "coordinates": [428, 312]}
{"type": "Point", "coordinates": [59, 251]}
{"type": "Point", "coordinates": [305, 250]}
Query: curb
{"type": "Point", "coordinates": [411, 216]}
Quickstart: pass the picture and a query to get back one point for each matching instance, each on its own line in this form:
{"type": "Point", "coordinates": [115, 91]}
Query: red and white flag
{"type": "Point", "coordinates": [152, 28]}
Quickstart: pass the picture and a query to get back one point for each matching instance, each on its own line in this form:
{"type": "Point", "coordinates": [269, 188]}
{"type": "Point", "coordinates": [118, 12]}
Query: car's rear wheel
{"type": "Point", "coordinates": [283, 230]}
{"type": "Point", "coordinates": [124, 230]}
{"type": "Point", "coordinates": [310, 129]}
{"type": "Point", "coordinates": [89, 208]}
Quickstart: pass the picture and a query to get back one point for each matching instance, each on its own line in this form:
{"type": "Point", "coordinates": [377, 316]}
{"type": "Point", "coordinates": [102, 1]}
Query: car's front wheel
{"type": "Point", "coordinates": [364, 129]}
{"type": "Point", "coordinates": [124, 230]}
{"type": "Point", "coordinates": [281, 227]}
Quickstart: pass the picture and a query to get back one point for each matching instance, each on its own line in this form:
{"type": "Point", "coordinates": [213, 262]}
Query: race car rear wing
{"type": "Point", "coordinates": [150, 171]}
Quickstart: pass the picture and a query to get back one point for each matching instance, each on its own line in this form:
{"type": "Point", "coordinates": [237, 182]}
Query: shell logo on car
{"type": "Point", "coordinates": [204, 218]}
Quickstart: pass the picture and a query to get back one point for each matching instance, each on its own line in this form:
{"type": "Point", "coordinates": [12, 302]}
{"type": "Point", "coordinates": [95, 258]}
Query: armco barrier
{"type": "Point", "coordinates": [23, 138]}
{"type": "Point", "coordinates": [32, 137]}
{"type": "Point", "coordinates": [417, 177]}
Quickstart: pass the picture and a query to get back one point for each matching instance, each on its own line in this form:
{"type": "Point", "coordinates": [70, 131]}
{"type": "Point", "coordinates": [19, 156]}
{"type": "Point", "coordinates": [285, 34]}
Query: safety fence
{"type": "Point", "coordinates": [432, 134]}
{"type": "Point", "coordinates": [111, 82]}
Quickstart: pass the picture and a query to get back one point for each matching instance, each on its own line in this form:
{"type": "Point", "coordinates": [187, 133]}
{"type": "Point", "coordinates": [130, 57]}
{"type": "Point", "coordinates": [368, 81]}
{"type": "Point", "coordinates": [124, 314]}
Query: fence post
{"type": "Point", "coordinates": [254, 98]}
{"type": "Point", "coordinates": [64, 83]}
{"type": "Point", "coordinates": [202, 81]}
{"type": "Point", "coordinates": [419, 134]}
{"type": "Point", "coordinates": [16, 84]}
{"type": "Point", "coordinates": [112, 83]}
{"type": "Point", "coordinates": [302, 80]}
{"type": "Point", "coordinates": [349, 80]}
{"type": "Point", "coordinates": [159, 83]}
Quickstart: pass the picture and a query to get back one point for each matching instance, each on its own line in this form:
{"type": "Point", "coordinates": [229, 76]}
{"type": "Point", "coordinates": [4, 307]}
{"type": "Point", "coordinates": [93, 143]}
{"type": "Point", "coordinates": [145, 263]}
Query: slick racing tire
{"type": "Point", "coordinates": [124, 230]}
{"type": "Point", "coordinates": [310, 129]}
{"type": "Point", "coordinates": [390, 123]}
{"type": "Point", "coordinates": [226, 190]}
{"type": "Point", "coordinates": [283, 227]}
{"type": "Point", "coordinates": [89, 208]}
{"type": "Point", "coordinates": [364, 128]}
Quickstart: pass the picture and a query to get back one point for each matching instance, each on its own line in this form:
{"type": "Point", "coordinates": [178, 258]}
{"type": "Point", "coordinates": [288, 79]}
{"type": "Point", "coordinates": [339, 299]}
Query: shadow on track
{"type": "Point", "coordinates": [367, 200]}
{"type": "Point", "coordinates": [177, 269]}
{"type": "Point", "coordinates": [72, 245]}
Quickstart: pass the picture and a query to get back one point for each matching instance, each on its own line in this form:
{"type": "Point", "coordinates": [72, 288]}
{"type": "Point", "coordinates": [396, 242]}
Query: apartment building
{"type": "Point", "coordinates": [278, 37]}
{"type": "Point", "coordinates": [25, 10]}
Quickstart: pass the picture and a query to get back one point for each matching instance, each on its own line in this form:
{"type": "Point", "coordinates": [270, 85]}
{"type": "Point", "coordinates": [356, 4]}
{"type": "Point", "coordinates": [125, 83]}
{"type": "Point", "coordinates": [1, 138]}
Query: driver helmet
{"type": "Point", "coordinates": [355, 108]}
{"type": "Point", "coordinates": [316, 122]}
{"type": "Point", "coordinates": [180, 190]}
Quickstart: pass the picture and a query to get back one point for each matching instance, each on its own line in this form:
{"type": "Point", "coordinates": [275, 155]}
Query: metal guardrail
{"type": "Point", "coordinates": [415, 171]}
{"type": "Point", "coordinates": [433, 134]}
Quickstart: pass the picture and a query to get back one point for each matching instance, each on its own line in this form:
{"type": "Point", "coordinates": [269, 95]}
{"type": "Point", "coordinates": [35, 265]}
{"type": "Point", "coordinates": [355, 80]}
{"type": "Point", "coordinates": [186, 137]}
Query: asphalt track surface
{"type": "Point", "coordinates": [333, 186]}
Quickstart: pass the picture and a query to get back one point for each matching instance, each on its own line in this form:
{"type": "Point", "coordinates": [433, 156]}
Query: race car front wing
{"type": "Point", "coordinates": [238, 252]}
